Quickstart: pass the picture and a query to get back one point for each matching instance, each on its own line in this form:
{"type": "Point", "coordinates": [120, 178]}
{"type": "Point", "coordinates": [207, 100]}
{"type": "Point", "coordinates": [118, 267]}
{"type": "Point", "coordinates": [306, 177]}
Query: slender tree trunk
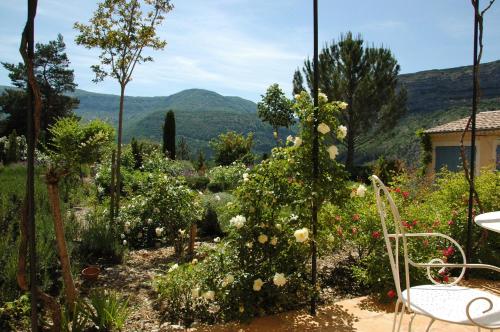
{"type": "Point", "coordinates": [112, 189]}
{"type": "Point", "coordinates": [53, 191]}
{"type": "Point", "coordinates": [119, 151]}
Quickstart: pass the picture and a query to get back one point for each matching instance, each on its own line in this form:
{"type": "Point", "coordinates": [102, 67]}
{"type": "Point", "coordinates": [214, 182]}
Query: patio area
{"type": "Point", "coordinates": [357, 314]}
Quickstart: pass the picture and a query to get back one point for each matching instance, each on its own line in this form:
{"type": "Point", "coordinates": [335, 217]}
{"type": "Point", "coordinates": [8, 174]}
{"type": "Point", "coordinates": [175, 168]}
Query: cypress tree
{"type": "Point", "coordinates": [12, 153]}
{"type": "Point", "coordinates": [169, 135]}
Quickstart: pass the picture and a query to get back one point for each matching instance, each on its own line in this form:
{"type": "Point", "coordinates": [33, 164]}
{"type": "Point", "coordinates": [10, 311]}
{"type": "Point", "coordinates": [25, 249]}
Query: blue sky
{"type": "Point", "coordinates": [239, 47]}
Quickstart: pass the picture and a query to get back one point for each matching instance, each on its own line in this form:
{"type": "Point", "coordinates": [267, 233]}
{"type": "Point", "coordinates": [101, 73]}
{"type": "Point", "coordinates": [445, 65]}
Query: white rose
{"type": "Point", "coordinates": [262, 238]}
{"type": "Point", "coordinates": [173, 267]}
{"type": "Point", "coordinates": [333, 151]}
{"type": "Point", "coordinates": [124, 242]}
{"type": "Point", "coordinates": [217, 239]}
{"type": "Point", "coordinates": [289, 139]}
{"type": "Point", "coordinates": [245, 177]}
{"type": "Point", "coordinates": [229, 279]}
{"type": "Point", "coordinates": [195, 293]}
{"type": "Point", "coordinates": [275, 134]}
{"type": "Point", "coordinates": [342, 132]}
{"type": "Point", "coordinates": [150, 221]}
{"type": "Point", "coordinates": [182, 232]}
{"type": "Point", "coordinates": [323, 128]}
{"type": "Point", "coordinates": [210, 295]}
{"type": "Point", "coordinates": [361, 191]}
{"type": "Point", "coordinates": [257, 284]}
{"type": "Point", "coordinates": [249, 245]}
{"type": "Point", "coordinates": [274, 240]}
{"type": "Point", "coordinates": [194, 261]}
{"type": "Point", "coordinates": [122, 236]}
{"type": "Point", "coordinates": [322, 97]}
{"type": "Point", "coordinates": [301, 235]}
{"type": "Point", "coordinates": [217, 197]}
{"type": "Point", "coordinates": [237, 221]}
{"type": "Point", "coordinates": [158, 231]}
{"type": "Point", "coordinates": [343, 105]}
{"type": "Point", "coordinates": [279, 279]}
{"type": "Point", "coordinates": [297, 142]}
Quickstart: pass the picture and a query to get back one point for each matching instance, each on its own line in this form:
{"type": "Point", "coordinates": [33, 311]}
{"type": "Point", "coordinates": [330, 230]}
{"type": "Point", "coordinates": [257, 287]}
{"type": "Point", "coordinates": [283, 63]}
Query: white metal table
{"type": "Point", "coordinates": [490, 221]}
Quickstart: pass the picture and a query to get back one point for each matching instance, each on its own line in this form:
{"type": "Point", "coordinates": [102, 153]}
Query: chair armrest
{"type": "Point", "coordinates": [467, 311]}
{"type": "Point", "coordinates": [438, 263]}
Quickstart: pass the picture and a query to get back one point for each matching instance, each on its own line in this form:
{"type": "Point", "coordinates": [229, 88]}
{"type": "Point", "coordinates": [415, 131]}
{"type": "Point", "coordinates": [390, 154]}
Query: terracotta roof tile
{"type": "Point", "coordinates": [484, 121]}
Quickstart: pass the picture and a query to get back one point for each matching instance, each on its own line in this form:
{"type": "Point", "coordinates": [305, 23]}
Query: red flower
{"type": "Point", "coordinates": [405, 194]}
{"type": "Point", "coordinates": [398, 190]}
{"type": "Point", "coordinates": [448, 251]}
{"type": "Point", "coordinates": [391, 294]}
{"type": "Point", "coordinates": [376, 235]}
{"type": "Point", "coordinates": [414, 223]}
{"type": "Point", "coordinates": [355, 217]}
{"type": "Point", "coordinates": [339, 231]}
{"type": "Point", "coordinates": [338, 218]}
{"type": "Point", "coordinates": [354, 231]}
{"type": "Point", "coordinates": [450, 222]}
{"type": "Point", "coordinates": [446, 279]}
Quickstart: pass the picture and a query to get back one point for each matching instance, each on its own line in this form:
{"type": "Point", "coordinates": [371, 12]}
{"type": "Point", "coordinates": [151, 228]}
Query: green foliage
{"type": "Point", "coordinates": [15, 314]}
{"type": "Point", "coordinates": [226, 177]}
{"type": "Point", "coordinates": [231, 147]}
{"type": "Point", "coordinates": [200, 163]}
{"type": "Point", "coordinates": [160, 210]}
{"type": "Point", "coordinates": [13, 179]}
{"type": "Point", "coordinates": [99, 240]}
{"type": "Point", "coordinates": [183, 151]}
{"type": "Point", "coordinates": [12, 153]}
{"type": "Point", "coordinates": [137, 153]}
{"type": "Point", "coordinates": [386, 169]}
{"type": "Point", "coordinates": [276, 109]}
{"type": "Point", "coordinates": [73, 143]}
{"type": "Point", "coordinates": [169, 135]}
{"type": "Point", "coordinates": [425, 150]}
{"type": "Point", "coordinates": [197, 182]}
{"type": "Point", "coordinates": [108, 310]}
{"type": "Point", "coordinates": [55, 79]}
{"type": "Point", "coordinates": [424, 207]}
{"type": "Point", "coordinates": [262, 265]}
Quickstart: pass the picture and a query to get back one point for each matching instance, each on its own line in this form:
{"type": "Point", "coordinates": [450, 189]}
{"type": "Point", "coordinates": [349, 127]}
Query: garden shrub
{"type": "Point", "coordinates": [158, 211]}
{"type": "Point", "coordinates": [221, 204]}
{"type": "Point", "coordinates": [215, 187]}
{"type": "Point", "coordinates": [424, 207]}
{"type": "Point", "coordinates": [197, 182]}
{"type": "Point", "coordinates": [226, 177]}
{"type": "Point", "coordinates": [262, 266]}
{"type": "Point", "coordinates": [209, 225]}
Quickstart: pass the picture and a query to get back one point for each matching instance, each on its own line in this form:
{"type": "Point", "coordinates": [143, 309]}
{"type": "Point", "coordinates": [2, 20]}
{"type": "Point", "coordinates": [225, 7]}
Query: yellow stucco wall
{"type": "Point", "coordinates": [486, 144]}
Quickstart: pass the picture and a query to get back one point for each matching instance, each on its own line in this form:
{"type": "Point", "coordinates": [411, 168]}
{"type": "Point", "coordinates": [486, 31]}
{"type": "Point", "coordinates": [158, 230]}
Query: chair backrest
{"type": "Point", "coordinates": [383, 197]}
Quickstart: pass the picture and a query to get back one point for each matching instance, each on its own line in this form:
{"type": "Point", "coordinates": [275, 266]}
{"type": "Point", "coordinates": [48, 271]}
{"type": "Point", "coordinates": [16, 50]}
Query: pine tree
{"type": "Point", "coordinates": [183, 151]}
{"type": "Point", "coordinates": [169, 135]}
{"type": "Point", "coordinates": [200, 164]}
{"type": "Point", "coordinates": [136, 152]}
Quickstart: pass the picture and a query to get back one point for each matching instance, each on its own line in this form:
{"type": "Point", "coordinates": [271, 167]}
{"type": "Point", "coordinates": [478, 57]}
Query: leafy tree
{"type": "Point", "coordinates": [55, 79]}
{"type": "Point", "coordinates": [231, 146]}
{"type": "Point", "coordinates": [122, 31]}
{"type": "Point", "coordinates": [200, 163]}
{"type": "Point", "coordinates": [276, 109]}
{"type": "Point", "coordinates": [366, 79]}
{"type": "Point", "coordinates": [169, 135]}
{"type": "Point", "coordinates": [183, 152]}
{"type": "Point", "coordinates": [136, 152]}
{"type": "Point", "coordinates": [12, 153]}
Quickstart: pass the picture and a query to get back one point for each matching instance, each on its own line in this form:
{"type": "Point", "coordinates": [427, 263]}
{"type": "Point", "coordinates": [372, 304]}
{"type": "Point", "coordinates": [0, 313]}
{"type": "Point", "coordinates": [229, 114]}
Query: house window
{"type": "Point", "coordinates": [450, 157]}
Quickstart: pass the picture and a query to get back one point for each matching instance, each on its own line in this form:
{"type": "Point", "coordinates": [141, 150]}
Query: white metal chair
{"type": "Point", "coordinates": [445, 302]}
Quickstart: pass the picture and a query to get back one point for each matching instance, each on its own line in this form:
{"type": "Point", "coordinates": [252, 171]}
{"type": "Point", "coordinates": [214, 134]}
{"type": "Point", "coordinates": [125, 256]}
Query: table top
{"type": "Point", "coordinates": [490, 221]}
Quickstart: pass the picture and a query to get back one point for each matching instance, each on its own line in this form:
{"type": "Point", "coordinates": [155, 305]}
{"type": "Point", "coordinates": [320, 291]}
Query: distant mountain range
{"type": "Point", "coordinates": [434, 97]}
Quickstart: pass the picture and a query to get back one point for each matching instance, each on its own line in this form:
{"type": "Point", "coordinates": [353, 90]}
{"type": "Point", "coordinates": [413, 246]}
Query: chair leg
{"type": "Point", "coordinates": [411, 322]}
{"type": "Point", "coordinates": [396, 313]}
{"type": "Point", "coordinates": [430, 324]}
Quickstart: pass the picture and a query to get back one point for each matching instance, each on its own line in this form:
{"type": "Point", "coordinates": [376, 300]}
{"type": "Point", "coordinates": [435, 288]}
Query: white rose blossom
{"type": "Point", "coordinates": [238, 221]}
{"type": "Point", "coordinates": [257, 284]}
{"type": "Point", "coordinates": [323, 128]}
{"type": "Point", "coordinates": [124, 242]}
{"type": "Point", "coordinates": [289, 139]}
{"type": "Point", "coordinates": [229, 279]}
{"type": "Point", "coordinates": [361, 191]}
{"type": "Point", "coordinates": [262, 238]}
{"type": "Point", "coordinates": [279, 279]}
{"type": "Point", "coordinates": [322, 97]}
{"type": "Point", "coordinates": [343, 105]}
{"type": "Point", "coordinates": [159, 231]}
{"type": "Point", "coordinates": [245, 177]}
{"type": "Point", "coordinates": [274, 241]}
{"type": "Point", "coordinates": [297, 142]}
{"type": "Point", "coordinates": [173, 267]}
{"type": "Point", "coordinates": [342, 132]}
{"type": "Point", "coordinates": [333, 151]}
{"type": "Point", "coordinates": [209, 295]}
{"type": "Point", "coordinates": [301, 235]}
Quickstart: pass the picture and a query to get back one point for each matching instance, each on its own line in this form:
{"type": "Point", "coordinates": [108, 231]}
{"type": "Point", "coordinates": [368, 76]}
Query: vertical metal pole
{"type": "Point", "coordinates": [473, 135]}
{"type": "Point", "coordinates": [30, 183]}
{"type": "Point", "coordinates": [315, 153]}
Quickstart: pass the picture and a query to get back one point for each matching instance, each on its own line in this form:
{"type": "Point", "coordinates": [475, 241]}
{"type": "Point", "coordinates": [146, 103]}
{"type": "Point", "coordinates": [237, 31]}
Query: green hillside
{"type": "Point", "coordinates": [434, 97]}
